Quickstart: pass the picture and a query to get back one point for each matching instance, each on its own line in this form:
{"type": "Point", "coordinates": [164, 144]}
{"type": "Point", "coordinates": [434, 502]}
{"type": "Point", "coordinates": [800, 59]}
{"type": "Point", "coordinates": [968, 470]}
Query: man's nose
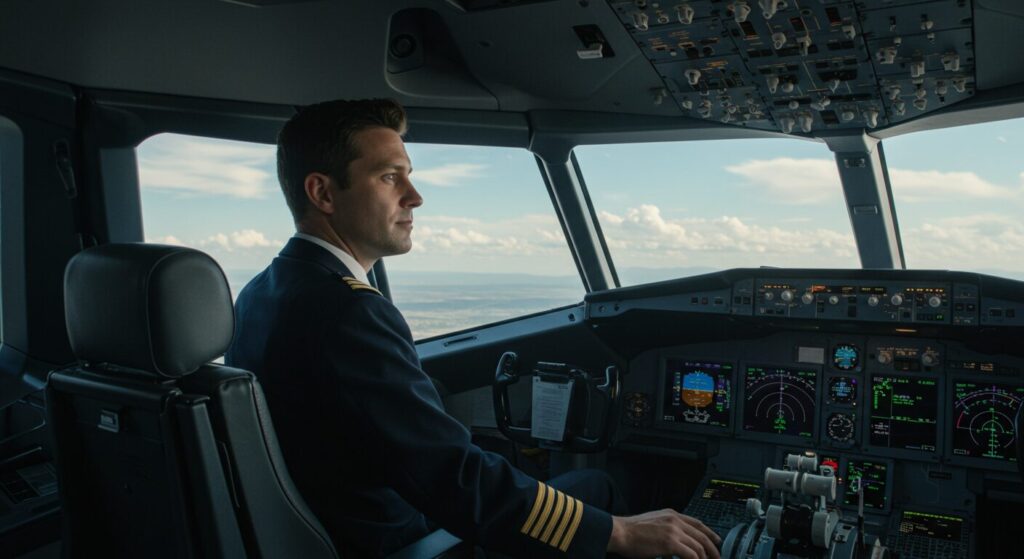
{"type": "Point", "coordinates": [412, 198]}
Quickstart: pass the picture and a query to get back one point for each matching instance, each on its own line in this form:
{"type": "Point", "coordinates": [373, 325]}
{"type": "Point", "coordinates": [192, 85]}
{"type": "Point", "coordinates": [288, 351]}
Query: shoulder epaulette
{"type": "Point", "coordinates": [357, 285]}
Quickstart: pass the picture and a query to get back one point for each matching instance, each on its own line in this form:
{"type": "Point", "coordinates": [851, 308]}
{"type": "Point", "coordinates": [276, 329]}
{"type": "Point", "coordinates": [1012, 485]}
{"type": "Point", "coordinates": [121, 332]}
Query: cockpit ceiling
{"type": "Point", "coordinates": [789, 65]}
{"type": "Point", "coordinates": [814, 64]}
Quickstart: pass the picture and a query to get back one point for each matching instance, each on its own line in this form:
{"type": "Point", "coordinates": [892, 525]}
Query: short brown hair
{"type": "Point", "coordinates": [320, 139]}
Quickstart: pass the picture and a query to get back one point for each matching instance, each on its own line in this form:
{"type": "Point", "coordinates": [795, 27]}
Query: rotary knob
{"type": "Point", "coordinates": [833, 299]}
{"type": "Point", "coordinates": [768, 295]}
{"type": "Point", "coordinates": [807, 298]}
{"type": "Point", "coordinates": [897, 299]}
{"type": "Point", "coordinates": [786, 295]}
{"type": "Point", "coordinates": [872, 300]}
{"type": "Point", "coordinates": [929, 358]}
{"type": "Point", "coordinates": [884, 357]}
{"type": "Point", "coordinates": [934, 301]}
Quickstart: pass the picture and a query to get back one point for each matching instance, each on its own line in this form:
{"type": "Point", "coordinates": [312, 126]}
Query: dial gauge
{"type": "Point", "coordinates": [842, 390]}
{"type": "Point", "coordinates": [840, 427]}
{"type": "Point", "coordinates": [846, 357]}
{"type": "Point", "coordinates": [637, 406]}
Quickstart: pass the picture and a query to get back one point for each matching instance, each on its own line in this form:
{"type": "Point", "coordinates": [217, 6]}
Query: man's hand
{"type": "Point", "coordinates": [662, 532]}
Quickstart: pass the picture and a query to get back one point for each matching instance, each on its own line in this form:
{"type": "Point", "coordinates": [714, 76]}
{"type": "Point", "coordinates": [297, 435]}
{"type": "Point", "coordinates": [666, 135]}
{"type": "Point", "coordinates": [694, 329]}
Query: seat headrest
{"type": "Point", "coordinates": [165, 310]}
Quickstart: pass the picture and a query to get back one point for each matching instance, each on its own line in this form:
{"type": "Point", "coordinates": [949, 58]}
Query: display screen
{"type": "Point", "coordinates": [846, 357]}
{"type": "Point", "coordinates": [873, 476]}
{"type": "Point", "coordinates": [842, 390]}
{"type": "Point", "coordinates": [780, 400]}
{"type": "Point", "coordinates": [983, 415]}
{"type": "Point", "coordinates": [697, 392]}
{"type": "Point", "coordinates": [903, 412]}
{"type": "Point", "coordinates": [730, 491]}
{"type": "Point", "coordinates": [938, 526]}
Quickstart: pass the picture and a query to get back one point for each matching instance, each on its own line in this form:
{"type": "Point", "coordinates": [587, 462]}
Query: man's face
{"type": "Point", "coordinates": [373, 214]}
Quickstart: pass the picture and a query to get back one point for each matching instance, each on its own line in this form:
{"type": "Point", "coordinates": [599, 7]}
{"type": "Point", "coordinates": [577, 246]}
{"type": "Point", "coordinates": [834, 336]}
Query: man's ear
{"type": "Point", "coordinates": [318, 192]}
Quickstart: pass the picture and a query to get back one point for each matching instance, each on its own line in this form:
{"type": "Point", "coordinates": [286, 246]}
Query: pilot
{"type": "Point", "coordinates": [362, 427]}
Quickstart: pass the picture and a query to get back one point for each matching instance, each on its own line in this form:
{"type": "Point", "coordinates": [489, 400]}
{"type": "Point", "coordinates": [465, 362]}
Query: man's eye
{"type": "Point", "coordinates": [390, 177]}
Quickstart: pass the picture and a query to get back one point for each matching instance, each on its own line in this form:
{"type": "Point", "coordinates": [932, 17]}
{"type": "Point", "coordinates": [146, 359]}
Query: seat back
{"type": "Point", "coordinates": [160, 454]}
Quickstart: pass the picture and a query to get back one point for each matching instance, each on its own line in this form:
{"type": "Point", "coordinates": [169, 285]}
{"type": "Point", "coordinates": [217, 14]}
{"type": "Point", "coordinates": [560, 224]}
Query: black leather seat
{"type": "Point", "coordinates": [160, 453]}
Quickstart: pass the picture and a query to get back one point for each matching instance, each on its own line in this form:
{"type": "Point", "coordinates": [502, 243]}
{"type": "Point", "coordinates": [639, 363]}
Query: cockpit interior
{"type": "Point", "coordinates": [806, 386]}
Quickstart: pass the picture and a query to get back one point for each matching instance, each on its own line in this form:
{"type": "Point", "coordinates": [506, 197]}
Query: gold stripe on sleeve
{"type": "Point", "coordinates": [572, 527]}
{"type": "Point", "coordinates": [537, 502]}
{"type": "Point", "coordinates": [570, 507]}
{"type": "Point", "coordinates": [546, 536]}
{"type": "Point", "coordinates": [542, 520]}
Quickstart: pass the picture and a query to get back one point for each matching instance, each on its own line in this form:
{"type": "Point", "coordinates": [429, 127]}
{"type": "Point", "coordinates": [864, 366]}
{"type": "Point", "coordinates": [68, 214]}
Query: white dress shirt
{"type": "Point", "coordinates": [347, 259]}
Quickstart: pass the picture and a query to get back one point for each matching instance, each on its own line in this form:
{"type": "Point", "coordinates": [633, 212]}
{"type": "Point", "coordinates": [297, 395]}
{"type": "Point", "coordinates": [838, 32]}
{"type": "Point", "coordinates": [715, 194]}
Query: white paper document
{"type": "Point", "coordinates": [550, 409]}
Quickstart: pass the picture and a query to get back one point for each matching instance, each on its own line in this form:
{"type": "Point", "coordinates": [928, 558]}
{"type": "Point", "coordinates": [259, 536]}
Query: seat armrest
{"type": "Point", "coordinates": [432, 545]}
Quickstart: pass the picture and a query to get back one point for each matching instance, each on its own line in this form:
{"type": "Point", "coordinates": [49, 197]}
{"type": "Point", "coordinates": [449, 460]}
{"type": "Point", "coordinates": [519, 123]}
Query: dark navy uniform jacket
{"type": "Point", "coordinates": [363, 430]}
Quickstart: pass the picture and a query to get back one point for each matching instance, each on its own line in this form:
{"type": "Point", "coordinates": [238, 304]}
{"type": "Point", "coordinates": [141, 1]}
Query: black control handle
{"type": "Point", "coordinates": [609, 391]}
{"type": "Point", "coordinates": [505, 376]}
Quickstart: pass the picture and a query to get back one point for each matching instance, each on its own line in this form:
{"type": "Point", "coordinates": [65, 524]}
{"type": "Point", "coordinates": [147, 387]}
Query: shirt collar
{"type": "Point", "coordinates": [347, 259]}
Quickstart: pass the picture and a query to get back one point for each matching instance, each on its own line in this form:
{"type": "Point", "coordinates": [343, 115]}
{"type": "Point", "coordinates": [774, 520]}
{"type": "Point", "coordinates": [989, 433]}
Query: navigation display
{"type": "Point", "coordinates": [903, 412]}
{"type": "Point", "coordinates": [938, 526]}
{"type": "Point", "coordinates": [730, 491]}
{"type": "Point", "coordinates": [697, 392]}
{"type": "Point", "coordinates": [983, 415]}
{"type": "Point", "coordinates": [873, 475]}
{"type": "Point", "coordinates": [780, 400]}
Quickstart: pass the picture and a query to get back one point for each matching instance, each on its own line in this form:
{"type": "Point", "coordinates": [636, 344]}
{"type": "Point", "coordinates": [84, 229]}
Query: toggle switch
{"type": "Point", "coordinates": [847, 115]}
{"type": "Point", "coordinates": [769, 8]}
{"type": "Point", "coordinates": [917, 68]}
{"type": "Point", "coordinates": [926, 24]}
{"type": "Point", "coordinates": [921, 104]}
{"type": "Point", "coordinates": [899, 108]}
{"type": "Point", "coordinates": [778, 40]}
{"type": "Point", "coordinates": [941, 88]}
{"type": "Point", "coordinates": [805, 44]}
{"type": "Point", "coordinates": [951, 62]}
{"type": "Point", "coordinates": [806, 122]}
{"type": "Point", "coordinates": [740, 11]}
{"type": "Point", "coordinates": [894, 92]}
{"type": "Point", "coordinates": [821, 103]}
{"type": "Point", "coordinates": [794, 104]}
{"type": "Point", "coordinates": [684, 12]}
{"type": "Point", "coordinates": [659, 94]}
{"type": "Point", "coordinates": [887, 55]}
{"type": "Point", "coordinates": [773, 83]}
{"type": "Point", "coordinates": [786, 124]}
{"type": "Point", "coordinates": [687, 104]}
{"type": "Point", "coordinates": [787, 87]}
{"type": "Point", "coordinates": [920, 93]}
{"type": "Point", "coordinates": [833, 84]}
{"type": "Point", "coordinates": [871, 117]}
{"type": "Point", "coordinates": [960, 84]}
{"type": "Point", "coordinates": [640, 21]}
{"type": "Point", "coordinates": [849, 31]}
{"type": "Point", "coordinates": [692, 76]}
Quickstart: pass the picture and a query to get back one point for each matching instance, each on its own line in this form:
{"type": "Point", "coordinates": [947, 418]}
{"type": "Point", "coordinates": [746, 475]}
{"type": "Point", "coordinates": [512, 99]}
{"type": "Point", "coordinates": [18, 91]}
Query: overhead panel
{"type": "Point", "coordinates": [806, 66]}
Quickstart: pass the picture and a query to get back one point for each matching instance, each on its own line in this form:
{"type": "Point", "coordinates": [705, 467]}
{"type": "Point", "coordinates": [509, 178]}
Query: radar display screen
{"type": "Point", "coordinates": [697, 393]}
{"type": "Point", "coordinates": [873, 476]}
{"type": "Point", "coordinates": [846, 357]}
{"type": "Point", "coordinates": [937, 526]}
{"type": "Point", "coordinates": [842, 390]}
{"type": "Point", "coordinates": [780, 400]}
{"type": "Point", "coordinates": [983, 416]}
{"type": "Point", "coordinates": [903, 412]}
{"type": "Point", "coordinates": [730, 491]}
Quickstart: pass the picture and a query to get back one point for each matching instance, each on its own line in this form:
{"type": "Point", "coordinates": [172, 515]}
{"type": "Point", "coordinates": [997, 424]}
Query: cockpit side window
{"type": "Point", "coordinates": [676, 209]}
{"type": "Point", "coordinates": [487, 245]}
{"type": "Point", "coordinates": [959, 193]}
{"type": "Point", "coordinates": [218, 196]}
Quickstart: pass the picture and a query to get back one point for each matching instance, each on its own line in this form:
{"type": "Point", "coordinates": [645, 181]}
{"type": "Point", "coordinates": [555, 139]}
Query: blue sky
{"type": "Point", "coordinates": [665, 208]}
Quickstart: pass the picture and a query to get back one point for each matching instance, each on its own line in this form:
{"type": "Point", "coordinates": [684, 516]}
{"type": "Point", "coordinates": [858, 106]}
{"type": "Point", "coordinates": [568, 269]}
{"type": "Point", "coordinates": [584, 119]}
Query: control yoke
{"type": "Point", "coordinates": [566, 415]}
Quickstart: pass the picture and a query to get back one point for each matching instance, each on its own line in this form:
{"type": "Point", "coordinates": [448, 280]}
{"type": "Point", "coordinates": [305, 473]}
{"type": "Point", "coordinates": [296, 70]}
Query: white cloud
{"type": "Point", "coordinates": [206, 167]}
{"type": "Point", "coordinates": [451, 174]}
{"type": "Point", "coordinates": [793, 181]}
{"type": "Point", "coordinates": [643, 237]}
{"type": "Point", "coordinates": [816, 181]}
{"type": "Point", "coordinates": [168, 240]}
{"type": "Point", "coordinates": [238, 240]}
{"type": "Point", "coordinates": [970, 242]}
